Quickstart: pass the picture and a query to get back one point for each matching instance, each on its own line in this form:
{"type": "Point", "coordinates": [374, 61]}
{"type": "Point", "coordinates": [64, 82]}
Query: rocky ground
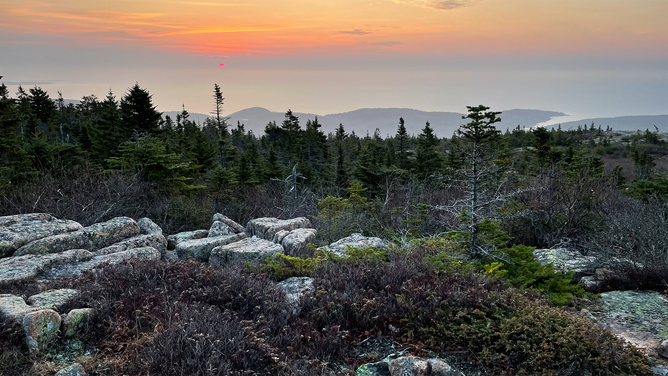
{"type": "Point", "coordinates": [40, 246]}
{"type": "Point", "coordinates": [639, 317]}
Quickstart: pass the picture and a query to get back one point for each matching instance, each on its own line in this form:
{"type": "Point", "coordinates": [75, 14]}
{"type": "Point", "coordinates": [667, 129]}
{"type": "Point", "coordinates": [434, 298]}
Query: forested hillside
{"type": "Point", "coordinates": [462, 217]}
{"type": "Point", "coordinates": [104, 156]}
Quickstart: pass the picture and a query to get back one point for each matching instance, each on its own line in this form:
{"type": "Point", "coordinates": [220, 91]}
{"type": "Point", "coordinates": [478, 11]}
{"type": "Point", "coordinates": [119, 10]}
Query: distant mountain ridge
{"type": "Point", "coordinates": [386, 120]}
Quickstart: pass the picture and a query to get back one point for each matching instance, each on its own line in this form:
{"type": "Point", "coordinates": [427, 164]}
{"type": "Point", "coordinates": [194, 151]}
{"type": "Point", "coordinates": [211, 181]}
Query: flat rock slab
{"type": "Point", "coordinates": [19, 268]}
{"type": "Point", "coordinates": [14, 308]}
{"type": "Point", "coordinates": [53, 299]}
{"type": "Point", "coordinates": [565, 260]}
{"type": "Point", "coordinates": [221, 218]}
{"type": "Point", "coordinates": [41, 329]}
{"type": "Point", "coordinates": [12, 219]}
{"type": "Point", "coordinates": [244, 250]}
{"type": "Point", "coordinates": [18, 234]}
{"type": "Point", "coordinates": [92, 238]}
{"type": "Point", "coordinates": [156, 241]}
{"type": "Point", "coordinates": [174, 239]}
{"type": "Point", "coordinates": [74, 270]}
{"type": "Point", "coordinates": [640, 317]}
{"type": "Point", "coordinates": [200, 249]}
{"type": "Point", "coordinates": [266, 228]}
{"type": "Point", "coordinates": [340, 247]}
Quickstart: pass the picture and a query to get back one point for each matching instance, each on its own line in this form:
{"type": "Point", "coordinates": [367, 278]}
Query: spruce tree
{"type": "Point", "coordinates": [341, 174]}
{"type": "Point", "coordinates": [138, 112]}
{"type": "Point", "coordinates": [479, 134]}
{"type": "Point", "coordinates": [218, 111]}
{"type": "Point", "coordinates": [42, 106]}
{"type": "Point", "coordinates": [427, 160]}
{"type": "Point", "coordinates": [402, 145]}
{"type": "Point", "coordinates": [106, 131]}
{"type": "Point", "coordinates": [14, 161]}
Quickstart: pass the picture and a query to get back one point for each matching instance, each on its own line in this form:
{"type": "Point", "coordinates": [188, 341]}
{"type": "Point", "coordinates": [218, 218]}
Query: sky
{"type": "Point", "coordinates": [582, 57]}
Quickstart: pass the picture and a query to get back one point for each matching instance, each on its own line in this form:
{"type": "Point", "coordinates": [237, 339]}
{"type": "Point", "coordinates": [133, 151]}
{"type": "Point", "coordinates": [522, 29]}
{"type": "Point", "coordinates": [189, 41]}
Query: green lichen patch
{"type": "Point", "coordinates": [75, 320]}
{"type": "Point", "coordinates": [639, 311]}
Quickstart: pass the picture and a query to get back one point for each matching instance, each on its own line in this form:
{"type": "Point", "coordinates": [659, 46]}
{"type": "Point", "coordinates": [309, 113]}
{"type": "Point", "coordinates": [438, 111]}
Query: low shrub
{"type": "Point", "coordinates": [522, 270]}
{"type": "Point", "coordinates": [283, 266]}
{"type": "Point", "coordinates": [190, 318]}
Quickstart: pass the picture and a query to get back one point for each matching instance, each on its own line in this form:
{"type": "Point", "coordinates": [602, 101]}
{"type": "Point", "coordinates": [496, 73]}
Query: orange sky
{"type": "Point", "coordinates": [598, 57]}
{"type": "Point", "coordinates": [235, 28]}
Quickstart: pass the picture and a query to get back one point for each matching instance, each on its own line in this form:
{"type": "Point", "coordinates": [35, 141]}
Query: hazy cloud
{"type": "Point", "coordinates": [355, 32]}
{"type": "Point", "coordinates": [436, 4]}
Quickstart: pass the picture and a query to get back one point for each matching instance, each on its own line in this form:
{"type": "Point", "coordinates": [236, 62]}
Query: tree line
{"type": "Point", "coordinates": [178, 157]}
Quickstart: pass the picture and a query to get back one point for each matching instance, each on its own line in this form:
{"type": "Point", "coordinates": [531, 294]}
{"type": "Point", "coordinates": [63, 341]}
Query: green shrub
{"type": "Point", "coordinates": [551, 341]}
{"type": "Point", "coordinates": [524, 271]}
{"type": "Point", "coordinates": [283, 266]}
{"type": "Point", "coordinates": [509, 331]}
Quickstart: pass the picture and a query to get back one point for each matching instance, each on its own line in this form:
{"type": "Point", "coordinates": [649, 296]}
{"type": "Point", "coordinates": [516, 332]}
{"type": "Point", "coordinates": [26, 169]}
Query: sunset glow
{"type": "Point", "coordinates": [431, 27]}
{"type": "Point", "coordinates": [334, 36]}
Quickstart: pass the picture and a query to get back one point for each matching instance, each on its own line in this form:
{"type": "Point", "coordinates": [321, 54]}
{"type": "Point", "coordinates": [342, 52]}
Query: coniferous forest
{"type": "Point", "coordinates": [472, 206]}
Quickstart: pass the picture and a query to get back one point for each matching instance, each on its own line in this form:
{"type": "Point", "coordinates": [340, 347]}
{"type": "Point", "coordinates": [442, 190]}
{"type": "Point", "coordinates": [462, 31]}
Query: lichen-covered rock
{"type": "Point", "coordinates": [41, 329]}
{"type": "Point", "coordinates": [639, 317]}
{"type": "Point", "coordinates": [20, 233]}
{"type": "Point", "coordinates": [660, 370]}
{"type": "Point", "coordinates": [148, 227]}
{"type": "Point", "coordinates": [296, 240]}
{"type": "Point", "coordinates": [266, 228]}
{"type": "Point", "coordinates": [17, 218]}
{"type": "Point", "coordinates": [156, 241]}
{"type": "Point", "coordinates": [294, 288]}
{"type": "Point", "coordinates": [200, 249]}
{"type": "Point", "coordinates": [173, 240]}
{"type": "Point", "coordinates": [140, 253]}
{"type": "Point", "coordinates": [53, 299]}
{"type": "Point", "coordinates": [340, 247]}
{"type": "Point", "coordinates": [220, 229]}
{"type": "Point", "coordinates": [19, 268]}
{"type": "Point", "coordinates": [75, 320]}
{"type": "Point", "coordinates": [92, 238]}
{"type": "Point", "coordinates": [663, 349]}
{"type": "Point", "coordinates": [414, 366]}
{"type": "Point", "coordinates": [244, 250]}
{"type": "Point", "coordinates": [565, 260]}
{"type": "Point", "coordinates": [221, 218]}
{"type": "Point", "coordinates": [75, 369]}
{"type": "Point", "coordinates": [590, 283]}
{"type": "Point", "coordinates": [170, 256]}
{"type": "Point", "coordinates": [74, 270]}
{"type": "Point", "coordinates": [278, 236]}
{"type": "Point", "coordinates": [13, 308]}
